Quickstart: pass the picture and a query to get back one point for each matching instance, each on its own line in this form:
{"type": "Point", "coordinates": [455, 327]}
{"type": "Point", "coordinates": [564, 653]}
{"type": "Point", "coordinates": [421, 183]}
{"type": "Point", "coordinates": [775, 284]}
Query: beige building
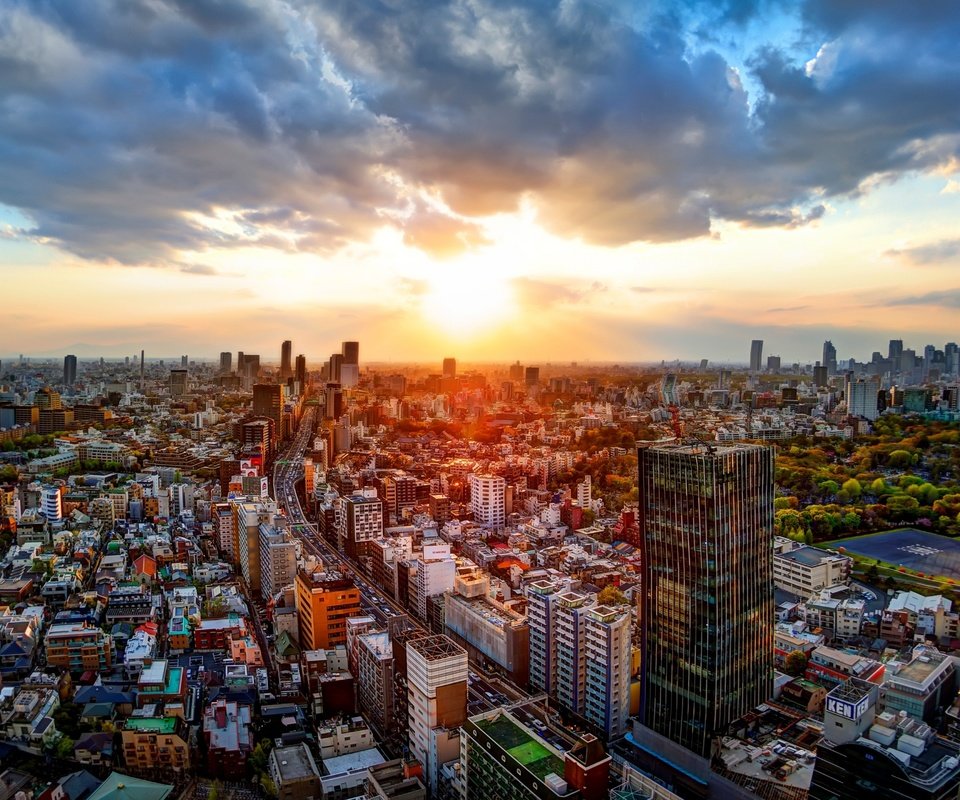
{"type": "Point", "coordinates": [805, 571]}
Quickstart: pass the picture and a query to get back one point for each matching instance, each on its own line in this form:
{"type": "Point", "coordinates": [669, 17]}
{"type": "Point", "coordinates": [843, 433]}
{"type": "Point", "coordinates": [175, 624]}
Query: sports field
{"type": "Point", "coordinates": [917, 550]}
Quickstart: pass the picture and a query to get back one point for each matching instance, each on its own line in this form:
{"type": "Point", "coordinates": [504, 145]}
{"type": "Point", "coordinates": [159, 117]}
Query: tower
{"type": "Point", "coordinates": [756, 355]}
{"type": "Point", "coordinates": [449, 368]}
{"type": "Point", "coordinates": [301, 371]}
{"type": "Point", "coordinates": [706, 533]}
{"type": "Point", "coordinates": [829, 357]}
{"type": "Point", "coordinates": [286, 354]}
{"type": "Point", "coordinates": [69, 370]}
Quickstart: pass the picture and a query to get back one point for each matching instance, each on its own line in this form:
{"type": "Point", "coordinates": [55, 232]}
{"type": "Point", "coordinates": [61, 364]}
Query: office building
{"type": "Point", "coordinates": [863, 398]}
{"type": "Point", "coordinates": [350, 352]}
{"type": "Point", "coordinates": [286, 358]}
{"type": "Point", "coordinates": [449, 368]}
{"type": "Point", "coordinates": [756, 355]}
{"type": "Point", "coordinates": [268, 402]}
{"type": "Point", "coordinates": [226, 362]}
{"type": "Point", "coordinates": [46, 399]}
{"type": "Point", "coordinates": [333, 401]}
{"type": "Point", "coordinates": [871, 755]}
{"type": "Point", "coordinates": [333, 367]}
{"type": "Point", "coordinates": [178, 382]}
{"type": "Point", "coordinates": [300, 372]}
{"type": "Point", "coordinates": [436, 702]}
{"type": "Point", "coordinates": [531, 377]}
{"type": "Point", "coordinates": [501, 757]}
{"type": "Point", "coordinates": [806, 571]}
{"type": "Point", "coordinates": [829, 359]}
{"type": "Point", "coordinates": [487, 498]}
{"type": "Point", "coordinates": [325, 601]}
{"type": "Point", "coordinates": [69, 370]}
{"type": "Point", "coordinates": [706, 530]}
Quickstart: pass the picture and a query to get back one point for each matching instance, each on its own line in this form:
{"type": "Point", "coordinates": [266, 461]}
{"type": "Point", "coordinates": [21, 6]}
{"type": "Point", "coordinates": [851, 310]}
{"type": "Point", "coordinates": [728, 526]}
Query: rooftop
{"type": "Point", "coordinates": [809, 556]}
{"type": "Point", "coordinates": [436, 647]}
{"type": "Point", "coordinates": [295, 762]}
{"type": "Point", "coordinates": [521, 745]}
{"type": "Point", "coordinates": [151, 724]}
{"type": "Point", "coordinates": [352, 762]}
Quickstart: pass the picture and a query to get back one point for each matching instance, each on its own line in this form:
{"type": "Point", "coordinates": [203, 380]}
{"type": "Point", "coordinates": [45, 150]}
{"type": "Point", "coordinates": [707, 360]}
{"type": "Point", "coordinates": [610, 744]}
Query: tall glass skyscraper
{"type": "Point", "coordinates": [706, 531]}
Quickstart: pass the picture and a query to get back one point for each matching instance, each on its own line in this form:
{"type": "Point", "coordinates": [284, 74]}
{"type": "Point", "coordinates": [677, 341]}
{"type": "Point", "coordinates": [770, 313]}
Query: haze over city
{"type": "Point", "coordinates": [583, 180]}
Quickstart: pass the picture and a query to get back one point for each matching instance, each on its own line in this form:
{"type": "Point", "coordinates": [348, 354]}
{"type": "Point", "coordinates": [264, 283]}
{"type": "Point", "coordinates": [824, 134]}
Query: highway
{"type": "Point", "coordinates": [485, 692]}
{"type": "Point", "coordinates": [287, 471]}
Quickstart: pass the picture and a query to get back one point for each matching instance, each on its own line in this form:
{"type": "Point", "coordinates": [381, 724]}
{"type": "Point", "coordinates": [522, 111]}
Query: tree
{"type": "Point", "coordinates": [65, 748]}
{"type": "Point", "coordinates": [853, 488]}
{"type": "Point", "coordinates": [611, 596]}
{"type": "Point", "coordinates": [795, 663]}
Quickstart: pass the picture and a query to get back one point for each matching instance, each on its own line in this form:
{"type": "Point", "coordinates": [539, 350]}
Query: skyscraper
{"type": "Point", "coordinates": [350, 352]}
{"type": "Point", "coordinates": [178, 382]}
{"type": "Point", "coordinates": [829, 357]}
{"type": "Point", "coordinates": [301, 371]}
{"type": "Point", "coordinates": [268, 402]}
{"type": "Point", "coordinates": [226, 362]}
{"type": "Point", "coordinates": [69, 370]}
{"type": "Point", "coordinates": [286, 355]}
{"type": "Point", "coordinates": [756, 355]}
{"type": "Point", "coordinates": [449, 368]}
{"type": "Point", "coordinates": [706, 531]}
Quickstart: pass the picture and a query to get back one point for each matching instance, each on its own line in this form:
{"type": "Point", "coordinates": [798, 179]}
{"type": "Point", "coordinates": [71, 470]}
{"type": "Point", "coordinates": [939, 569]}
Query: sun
{"type": "Point", "coordinates": [464, 303]}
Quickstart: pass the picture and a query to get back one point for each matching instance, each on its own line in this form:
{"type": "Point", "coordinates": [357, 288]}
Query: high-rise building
{"type": "Point", "coordinates": [350, 352]}
{"type": "Point", "coordinates": [333, 401]}
{"type": "Point", "coordinates": [333, 367]}
{"type": "Point", "coordinates": [300, 372]}
{"type": "Point", "coordinates": [178, 382]}
{"type": "Point", "coordinates": [829, 357]}
{"type": "Point", "coordinates": [862, 400]}
{"type": "Point", "coordinates": [449, 368]}
{"type": "Point", "coordinates": [436, 702]}
{"type": "Point", "coordinates": [706, 530]}
{"type": "Point", "coordinates": [286, 356]}
{"type": "Point", "coordinates": [542, 618]}
{"type": "Point", "coordinates": [69, 370]}
{"type": "Point", "coordinates": [487, 500]}
{"type": "Point", "coordinates": [756, 355]}
{"type": "Point", "coordinates": [226, 362]}
{"type": "Point", "coordinates": [531, 377]}
{"type": "Point", "coordinates": [363, 523]}
{"type": "Point", "coordinates": [268, 402]}
{"type": "Point", "coordinates": [278, 560]}
{"type": "Point", "coordinates": [325, 601]}
{"type": "Point", "coordinates": [894, 351]}
{"type": "Point", "coordinates": [248, 517]}
{"type": "Point", "coordinates": [50, 503]}
{"type": "Point", "coordinates": [773, 364]}
{"type": "Point", "coordinates": [608, 645]}
{"type": "Point", "coordinates": [819, 375]}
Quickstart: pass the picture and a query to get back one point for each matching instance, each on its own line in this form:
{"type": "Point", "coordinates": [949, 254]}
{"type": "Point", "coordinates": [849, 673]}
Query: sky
{"type": "Point", "coordinates": [566, 179]}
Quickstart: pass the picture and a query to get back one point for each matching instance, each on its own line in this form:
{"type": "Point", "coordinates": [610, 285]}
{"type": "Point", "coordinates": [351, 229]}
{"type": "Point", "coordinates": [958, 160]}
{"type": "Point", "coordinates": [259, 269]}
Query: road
{"type": "Point", "coordinates": [485, 691]}
{"type": "Point", "coordinates": [288, 470]}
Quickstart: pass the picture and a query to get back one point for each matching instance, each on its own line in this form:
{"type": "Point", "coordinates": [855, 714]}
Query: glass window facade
{"type": "Point", "coordinates": [706, 529]}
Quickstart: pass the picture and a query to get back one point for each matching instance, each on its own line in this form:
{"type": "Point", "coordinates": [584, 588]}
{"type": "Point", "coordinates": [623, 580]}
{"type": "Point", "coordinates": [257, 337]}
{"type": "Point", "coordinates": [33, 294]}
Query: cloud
{"type": "Point", "coordinates": [136, 130]}
{"type": "Point", "coordinates": [542, 294]}
{"type": "Point", "coordinates": [944, 298]}
{"type": "Point", "coordinates": [642, 289]}
{"type": "Point", "coordinates": [931, 254]}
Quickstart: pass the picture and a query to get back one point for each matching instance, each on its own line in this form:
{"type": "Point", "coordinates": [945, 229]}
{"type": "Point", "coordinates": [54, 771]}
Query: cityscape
{"type": "Point", "coordinates": [479, 400]}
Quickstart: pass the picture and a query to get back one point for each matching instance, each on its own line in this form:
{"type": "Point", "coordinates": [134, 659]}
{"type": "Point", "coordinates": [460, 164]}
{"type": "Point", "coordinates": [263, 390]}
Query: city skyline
{"type": "Point", "coordinates": [607, 182]}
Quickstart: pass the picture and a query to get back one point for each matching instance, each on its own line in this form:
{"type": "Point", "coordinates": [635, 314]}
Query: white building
{"type": "Point", "coordinates": [50, 504]}
{"type": "Point", "coordinates": [608, 669]}
{"type": "Point", "coordinates": [542, 620]}
{"type": "Point", "coordinates": [806, 571]}
{"type": "Point", "coordinates": [436, 702]}
{"type": "Point", "coordinates": [436, 571]}
{"type": "Point", "coordinates": [278, 560]}
{"type": "Point", "coordinates": [862, 398]}
{"type": "Point", "coordinates": [487, 500]}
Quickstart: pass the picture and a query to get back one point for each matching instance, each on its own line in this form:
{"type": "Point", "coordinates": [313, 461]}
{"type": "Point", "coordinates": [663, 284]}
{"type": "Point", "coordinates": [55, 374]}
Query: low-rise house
{"type": "Point", "coordinates": [226, 729]}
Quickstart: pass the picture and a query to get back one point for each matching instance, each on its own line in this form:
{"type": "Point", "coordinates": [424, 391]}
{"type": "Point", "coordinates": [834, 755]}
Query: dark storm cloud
{"type": "Point", "coordinates": [128, 125]}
